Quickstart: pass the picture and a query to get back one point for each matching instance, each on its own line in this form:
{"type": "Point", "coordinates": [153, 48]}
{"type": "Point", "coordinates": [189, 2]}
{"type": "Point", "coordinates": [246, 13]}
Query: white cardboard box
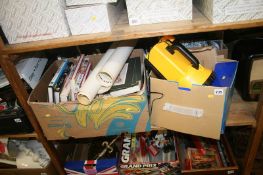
{"type": "Point", "coordinates": [32, 20]}
{"type": "Point", "coordinates": [222, 11]}
{"type": "Point", "coordinates": [94, 18]}
{"type": "Point", "coordinates": [156, 11]}
{"type": "Point", "coordinates": [83, 2]}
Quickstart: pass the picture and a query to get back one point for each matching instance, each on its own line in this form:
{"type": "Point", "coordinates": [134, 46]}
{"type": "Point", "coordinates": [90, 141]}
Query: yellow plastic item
{"type": "Point", "coordinates": [174, 62]}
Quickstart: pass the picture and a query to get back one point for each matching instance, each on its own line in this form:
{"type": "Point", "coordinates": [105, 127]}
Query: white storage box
{"type": "Point", "coordinates": [94, 18]}
{"type": "Point", "coordinates": [156, 11]}
{"type": "Point", "coordinates": [32, 20]}
{"type": "Point", "coordinates": [222, 11]}
{"type": "Point", "coordinates": [83, 2]}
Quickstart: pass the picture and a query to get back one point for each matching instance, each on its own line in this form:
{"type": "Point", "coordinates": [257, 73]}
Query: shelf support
{"type": "Point", "coordinates": [255, 139]}
{"type": "Point", "coordinates": [17, 85]}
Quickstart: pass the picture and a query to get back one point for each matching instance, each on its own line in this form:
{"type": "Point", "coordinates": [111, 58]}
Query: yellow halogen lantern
{"type": "Point", "coordinates": [174, 62]}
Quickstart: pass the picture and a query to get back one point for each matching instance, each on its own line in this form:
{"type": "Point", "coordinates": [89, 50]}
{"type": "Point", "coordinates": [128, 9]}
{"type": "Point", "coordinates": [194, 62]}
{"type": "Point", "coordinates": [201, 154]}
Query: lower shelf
{"type": "Point", "coordinates": [49, 170]}
{"type": "Point", "coordinates": [66, 150]}
{"type": "Point", "coordinates": [26, 135]}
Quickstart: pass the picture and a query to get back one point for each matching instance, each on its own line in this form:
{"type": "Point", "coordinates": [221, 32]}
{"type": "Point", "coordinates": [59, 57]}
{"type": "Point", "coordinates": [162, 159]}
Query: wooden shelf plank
{"type": "Point", "coordinates": [122, 31]}
{"type": "Point", "coordinates": [28, 135]}
{"type": "Point", "coordinates": [241, 112]}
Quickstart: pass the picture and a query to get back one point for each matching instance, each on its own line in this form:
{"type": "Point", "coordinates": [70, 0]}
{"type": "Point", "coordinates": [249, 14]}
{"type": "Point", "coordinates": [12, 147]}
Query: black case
{"type": "Point", "coordinates": [14, 121]}
{"type": "Point", "coordinates": [246, 51]}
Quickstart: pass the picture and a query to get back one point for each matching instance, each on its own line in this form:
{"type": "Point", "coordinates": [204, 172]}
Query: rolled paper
{"type": "Point", "coordinates": [110, 71]}
{"type": "Point", "coordinates": [90, 88]}
{"type": "Point", "coordinates": [103, 89]}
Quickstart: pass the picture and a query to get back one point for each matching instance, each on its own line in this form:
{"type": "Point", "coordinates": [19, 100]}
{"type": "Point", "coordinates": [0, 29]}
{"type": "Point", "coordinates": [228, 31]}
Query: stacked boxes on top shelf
{"type": "Point", "coordinates": [157, 11]}
{"type": "Point", "coordinates": [86, 17]}
{"type": "Point", "coordinates": [32, 20]}
{"type": "Point", "coordinates": [223, 11]}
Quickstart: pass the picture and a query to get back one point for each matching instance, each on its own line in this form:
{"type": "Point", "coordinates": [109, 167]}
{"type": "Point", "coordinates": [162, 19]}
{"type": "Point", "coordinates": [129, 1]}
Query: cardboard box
{"type": "Point", "coordinates": [94, 18]}
{"type": "Point", "coordinates": [222, 11]}
{"type": "Point", "coordinates": [32, 20]}
{"type": "Point", "coordinates": [109, 116]}
{"type": "Point", "coordinates": [156, 11]}
{"type": "Point", "coordinates": [84, 2]}
{"type": "Point", "coordinates": [202, 110]}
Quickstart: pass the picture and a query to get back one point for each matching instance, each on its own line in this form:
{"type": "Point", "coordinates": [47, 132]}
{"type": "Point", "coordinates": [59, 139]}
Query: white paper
{"type": "Point", "coordinates": [110, 71]}
{"type": "Point", "coordinates": [91, 86]}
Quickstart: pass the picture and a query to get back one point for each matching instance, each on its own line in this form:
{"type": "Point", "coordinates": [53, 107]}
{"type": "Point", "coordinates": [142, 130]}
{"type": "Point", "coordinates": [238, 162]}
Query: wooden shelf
{"type": "Point", "coordinates": [122, 31]}
{"type": "Point", "coordinates": [241, 112]}
{"type": "Point", "coordinates": [29, 135]}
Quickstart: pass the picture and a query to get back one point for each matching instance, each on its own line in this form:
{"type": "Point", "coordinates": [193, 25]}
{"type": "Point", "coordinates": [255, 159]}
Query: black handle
{"type": "Point", "coordinates": [176, 45]}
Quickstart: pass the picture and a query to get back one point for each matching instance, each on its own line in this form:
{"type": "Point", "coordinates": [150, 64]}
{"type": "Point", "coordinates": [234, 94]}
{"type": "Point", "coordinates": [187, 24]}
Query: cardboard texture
{"type": "Point", "coordinates": [156, 11]}
{"type": "Point", "coordinates": [94, 18]}
{"type": "Point", "coordinates": [84, 2]}
{"type": "Point", "coordinates": [109, 116]}
{"type": "Point", "coordinates": [222, 11]}
{"type": "Point", "coordinates": [200, 111]}
{"type": "Point", "coordinates": [24, 21]}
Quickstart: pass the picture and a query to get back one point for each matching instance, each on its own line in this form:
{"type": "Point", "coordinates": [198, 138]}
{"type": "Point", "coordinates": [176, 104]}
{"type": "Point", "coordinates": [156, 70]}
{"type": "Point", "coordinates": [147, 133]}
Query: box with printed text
{"type": "Point", "coordinates": [156, 11]}
{"type": "Point", "coordinates": [94, 18]}
{"type": "Point", "coordinates": [33, 20]}
{"type": "Point", "coordinates": [104, 116]}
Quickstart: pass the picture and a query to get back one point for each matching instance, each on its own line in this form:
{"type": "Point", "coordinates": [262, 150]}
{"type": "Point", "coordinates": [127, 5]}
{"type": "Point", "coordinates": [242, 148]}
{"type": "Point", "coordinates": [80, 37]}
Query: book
{"type": "Point", "coordinates": [76, 81]}
{"type": "Point", "coordinates": [130, 79]}
{"type": "Point", "coordinates": [64, 95]}
{"type": "Point", "coordinates": [198, 152]}
{"type": "Point", "coordinates": [55, 80]}
{"type": "Point", "coordinates": [59, 85]}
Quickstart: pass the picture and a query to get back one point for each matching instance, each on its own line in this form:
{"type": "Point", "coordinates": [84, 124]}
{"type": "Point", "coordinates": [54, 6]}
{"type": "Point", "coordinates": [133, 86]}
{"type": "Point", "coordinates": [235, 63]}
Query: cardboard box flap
{"type": "Point", "coordinates": [176, 110]}
{"type": "Point", "coordinates": [206, 56]}
{"type": "Point", "coordinates": [225, 73]}
{"type": "Point", "coordinates": [39, 94]}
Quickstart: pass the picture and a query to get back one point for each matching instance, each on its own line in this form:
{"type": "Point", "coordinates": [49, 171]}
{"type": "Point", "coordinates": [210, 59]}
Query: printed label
{"type": "Point", "coordinates": [218, 92]}
{"type": "Point", "coordinates": [194, 112]}
{"type": "Point", "coordinates": [17, 120]}
{"type": "Point", "coordinates": [230, 172]}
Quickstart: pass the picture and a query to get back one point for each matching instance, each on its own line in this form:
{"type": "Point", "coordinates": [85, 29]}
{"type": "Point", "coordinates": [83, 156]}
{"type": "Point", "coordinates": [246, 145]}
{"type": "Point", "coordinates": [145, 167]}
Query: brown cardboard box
{"type": "Point", "coordinates": [103, 117]}
{"type": "Point", "coordinates": [200, 111]}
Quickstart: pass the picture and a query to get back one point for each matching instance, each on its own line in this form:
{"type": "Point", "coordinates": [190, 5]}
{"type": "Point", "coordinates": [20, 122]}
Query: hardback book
{"type": "Point", "coordinates": [59, 73]}
{"type": "Point", "coordinates": [130, 79]}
